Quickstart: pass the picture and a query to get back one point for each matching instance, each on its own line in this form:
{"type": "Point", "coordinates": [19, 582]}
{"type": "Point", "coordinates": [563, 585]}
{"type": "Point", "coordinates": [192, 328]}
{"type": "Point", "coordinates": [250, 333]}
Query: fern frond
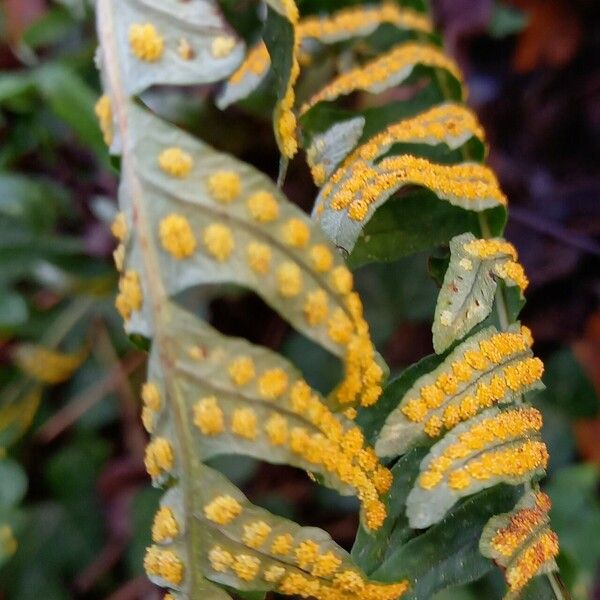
{"type": "Point", "coordinates": [495, 446]}
{"type": "Point", "coordinates": [469, 400]}
{"type": "Point", "coordinates": [191, 216]}
{"type": "Point", "coordinates": [489, 368]}
{"type": "Point", "coordinates": [341, 26]}
{"type": "Point", "coordinates": [470, 283]}
{"type": "Point", "coordinates": [522, 542]}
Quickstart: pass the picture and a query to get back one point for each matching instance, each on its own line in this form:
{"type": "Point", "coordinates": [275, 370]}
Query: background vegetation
{"type": "Point", "coordinates": [73, 489]}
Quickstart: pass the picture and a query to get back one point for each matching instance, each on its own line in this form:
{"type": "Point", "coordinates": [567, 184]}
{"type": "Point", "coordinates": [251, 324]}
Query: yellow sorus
{"type": "Point", "coordinates": [273, 383]}
{"type": "Point", "coordinates": [289, 279]}
{"type": "Point", "coordinates": [119, 227]}
{"type": "Point", "coordinates": [433, 426]}
{"type": "Point", "coordinates": [523, 373]}
{"type": "Point", "coordinates": [282, 544]}
{"type": "Point", "coordinates": [295, 233]}
{"type": "Point", "coordinates": [277, 430]}
{"type": "Point", "coordinates": [514, 271]}
{"type": "Point", "coordinates": [164, 564]}
{"type": "Point", "coordinates": [243, 423]}
{"type": "Point", "coordinates": [224, 186]}
{"type": "Point", "coordinates": [349, 581]}
{"type": "Point", "coordinates": [319, 174]}
{"type": "Point", "coordinates": [306, 553]}
{"type": "Point", "coordinates": [176, 236]}
{"type": "Point", "coordinates": [429, 479]}
{"type": "Point", "coordinates": [381, 69]}
{"type": "Point", "coordinates": [301, 585]}
{"type": "Point", "coordinates": [301, 396]}
{"type": "Point", "coordinates": [130, 297]}
{"type": "Point", "coordinates": [175, 162]}
{"type": "Point", "coordinates": [119, 257]}
{"type": "Point", "coordinates": [257, 62]}
{"type": "Point", "coordinates": [325, 565]}
{"type": "Point", "coordinates": [145, 42]}
{"type": "Point", "coordinates": [342, 280]}
{"type": "Point", "coordinates": [340, 327]}
{"type": "Point", "coordinates": [375, 513]}
{"type": "Point", "coordinates": [259, 257]}
{"type": "Point", "coordinates": [222, 510]}
{"type": "Point", "coordinates": [315, 307]}
{"type": "Point", "coordinates": [222, 46]}
{"type": "Point", "coordinates": [219, 241]}
{"type": "Point", "coordinates": [263, 207]}
{"type": "Point", "coordinates": [185, 49]}
{"type": "Point", "coordinates": [255, 534]}
{"type": "Point", "coordinates": [507, 540]}
{"type": "Point", "coordinates": [220, 559]}
{"type": "Point", "coordinates": [241, 370]}
{"type": "Point", "coordinates": [286, 123]}
{"type": "Point", "coordinates": [321, 258]}
{"type": "Point", "coordinates": [159, 457]}
{"type": "Point", "coordinates": [529, 563]}
{"type": "Point", "coordinates": [274, 574]}
{"type": "Point", "coordinates": [103, 111]}
{"type": "Point", "coordinates": [246, 567]}
{"type": "Point", "coordinates": [353, 441]}
{"type": "Point", "coordinates": [151, 396]}
{"type": "Point", "coordinates": [459, 480]}
{"type": "Point", "coordinates": [165, 525]}
{"type": "Point", "coordinates": [353, 21]}
{"type": "Point", "coordinates": [484, 249]}
{"type": "Point", "coordinates": [383, 480]}
{"type": "Point", "coordinates": [208, 416]}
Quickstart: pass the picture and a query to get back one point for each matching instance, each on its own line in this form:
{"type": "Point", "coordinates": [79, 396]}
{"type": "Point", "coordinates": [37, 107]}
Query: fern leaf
{"type": "Point", "coordinates": [243, 399]}
{"type": "Point", "coordinates": [386, 71]}
{"type": "Point", "coordinates": [247, 234]}
{"type": "Point", "coordinates": [345, 204]}
{"type": "Point", "coordinates": [495, 446]}
{"type": "Point", "coordinates": [342, 25]}
{"type": "Point", "coordinates": [192, 216]}
{"type": "Point", "coordinates": [522, 542]}
{"type": "Point", "coordinates": [171, 42]}
{"type": "Point", "coordinates": [451, 124]}
{"type": "Point", "coordinates": [209, 530]}
{"type": "Point", "coordinates": [489, 368]}
{"type": "Point", "coordinates": [467, 294]}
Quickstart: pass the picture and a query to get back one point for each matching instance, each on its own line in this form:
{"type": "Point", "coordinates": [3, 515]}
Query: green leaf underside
{"type": "Point", "coordinates": [196, 379]}
{"type": "Point", "coordinates": [501, 521]}
{"type": "Point", "coordinates": [200, 535]}
{"type": "Point", "coordinates": [399, 433]}
{"type": "Point", "coordinates": [467, 294]}
{"type": "Point", "coordinates": [198, 21]}
{"type": "Point", "coordinates": [190, 198]}
{"type": "Point", "coordinates": [426, 507]}
{"type": "Point", "coordinates": [447, 554]}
